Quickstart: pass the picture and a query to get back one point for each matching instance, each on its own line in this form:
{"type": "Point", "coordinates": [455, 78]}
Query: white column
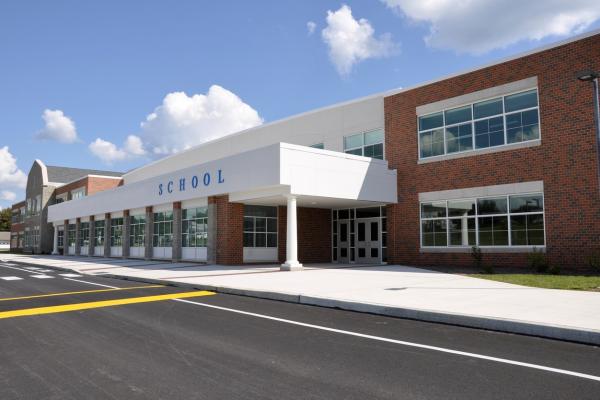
{"type": "Point", "coordinates": [291, 245]}
{"type": "Point", "coordinates": [55, 246]}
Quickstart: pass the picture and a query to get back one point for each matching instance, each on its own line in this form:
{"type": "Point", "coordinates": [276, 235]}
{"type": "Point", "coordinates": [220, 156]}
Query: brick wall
{"type": "Point", "coordinates": [566, 160]}
{"type": "Point", "coordinates": [314, 234]}
{"type": "Point", "coordinates": [230, 225]}
{"type": "Point", "coordinates": [92, 184]}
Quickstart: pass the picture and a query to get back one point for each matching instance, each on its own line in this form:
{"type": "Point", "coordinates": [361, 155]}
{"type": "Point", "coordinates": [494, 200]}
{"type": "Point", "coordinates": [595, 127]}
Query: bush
{"type": "Point", "coordinates": [477, 256]}
{"type": "Point", "coordinates": [537, 260]}
{"type": "Point", "coordinates": [594, 262]}
{"type": "Point", "coordinates": [554, 270]}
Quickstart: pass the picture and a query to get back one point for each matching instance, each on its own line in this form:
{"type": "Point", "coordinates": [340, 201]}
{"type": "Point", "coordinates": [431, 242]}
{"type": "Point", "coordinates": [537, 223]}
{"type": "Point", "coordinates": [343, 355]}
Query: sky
{"type": "Point", "coordinates": [113, 85]}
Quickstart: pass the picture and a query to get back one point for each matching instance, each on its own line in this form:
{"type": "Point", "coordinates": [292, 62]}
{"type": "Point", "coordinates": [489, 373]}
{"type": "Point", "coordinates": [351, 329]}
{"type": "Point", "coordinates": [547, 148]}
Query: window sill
{"type": "Point", "coordinates": [488, 150]}
{"type": "Point", "coordinates": [516, 249]}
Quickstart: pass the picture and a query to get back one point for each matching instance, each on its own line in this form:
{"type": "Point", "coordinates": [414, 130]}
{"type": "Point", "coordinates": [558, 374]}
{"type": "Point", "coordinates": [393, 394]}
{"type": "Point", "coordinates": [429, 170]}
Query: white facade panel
{"type": "Point", "coordinates": [194, 253]}
{"type": "Point", "coordinates": [137, 252]}
{"type": "Point", "coordinates": [201, 202]}
{"type": "Point", "coordinates": [162, 252]}
{"type": "Point", "coordinates": [99, 251]}
{"type": "Point", "coordinates": [260, 254]}
{"type": "Point", "coordinates": [116, 251]}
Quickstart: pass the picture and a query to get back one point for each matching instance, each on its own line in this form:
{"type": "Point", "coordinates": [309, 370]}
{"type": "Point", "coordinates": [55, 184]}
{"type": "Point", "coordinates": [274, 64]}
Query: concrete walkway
{"type": "Point", "coordinates": [389, 290]}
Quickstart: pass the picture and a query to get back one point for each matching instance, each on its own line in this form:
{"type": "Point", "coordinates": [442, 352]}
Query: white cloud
{"type": "Point", "coordinates": [351, 41]}
{"type": "Point", "coordinates": [57, 127]}
{"type": "Point", "coordinates": [109, 153]}
{"type": "Point", "coordinates": [311, 26]}
{"type": "Point", "coordinates": [478, 26]}
{"type": "Point", "coordinates": [183, 121]}
{"type": "Point", "coordinates": [8, 195]}
{"type": "Point", "coordinates": [10, 174]}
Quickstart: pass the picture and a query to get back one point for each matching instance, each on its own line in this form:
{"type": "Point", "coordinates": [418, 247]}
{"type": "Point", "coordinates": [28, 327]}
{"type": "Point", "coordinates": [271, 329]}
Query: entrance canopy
{"type": "Point", "coordinates": [268, 175]}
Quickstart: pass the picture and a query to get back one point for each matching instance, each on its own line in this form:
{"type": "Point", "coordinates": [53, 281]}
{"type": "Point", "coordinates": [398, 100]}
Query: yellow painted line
{"type": "Point", "coordinates": [37, 296]}
{"type": "Point", "coordinates": [100, 304]}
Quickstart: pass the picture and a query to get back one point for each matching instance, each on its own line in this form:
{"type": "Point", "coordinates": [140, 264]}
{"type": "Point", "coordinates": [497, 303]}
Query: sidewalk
{"type": "Point", "coordinates": [388, 290]}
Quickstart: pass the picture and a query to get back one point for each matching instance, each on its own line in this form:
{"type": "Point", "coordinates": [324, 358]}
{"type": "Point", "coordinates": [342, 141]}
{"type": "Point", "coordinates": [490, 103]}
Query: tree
{"type": "Point", "coordinates": [5, 215]}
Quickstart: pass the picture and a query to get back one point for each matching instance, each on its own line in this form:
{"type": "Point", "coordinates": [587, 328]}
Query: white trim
{"type": "Point", "coordinates": [116, 214]}
{"type": "Point", "coordinates": [137, 211]}
{"type": "Point", "coordinates": [162, 207]}
{"type": "Point", "coordinates": [194, 203]}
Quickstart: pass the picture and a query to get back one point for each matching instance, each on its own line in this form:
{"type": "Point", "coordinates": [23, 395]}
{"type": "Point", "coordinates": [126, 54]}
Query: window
{"type": "Point", "coordinates": [137, 226]}
{"type": "Point", "coordinates": [494, 122]}
{"type": "Point", "coordinates": [367, 144]}
{"type": "Point", "coordinates": [99, 233]}
{"type": "Point", "coordinates": [61, 238]}
{"type": "Point", "coordinates": [84, 234]}
{"type": "Point", "coordinates": [116, 232]}
{"type": "Point", "coordinates": [318, 146]}
{"type": "Point", "coordinates": [163, 229]}
{"type": "Point", "coordinates": [36, 236]}
{"type": "Point", "coordinates": [260, 226]}
{"type": "Point", "coordinates": [71, 228]}
{"type": "Point", "coordinates": [514, 220]}
{"type": "Point", "coordinates": [194, 227]}
{"type": "Point", "coordinates": [78, 193]}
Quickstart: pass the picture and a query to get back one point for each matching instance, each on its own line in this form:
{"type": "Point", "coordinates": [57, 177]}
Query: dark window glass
{"type": "Point", "coordinates": [433, 210]}
{"type": "Point", "coordinates": [520, 101]}
{"type": "Point", "coordinates": [489, 132]}
{"type": "Point", "coordinates": [462, 231]}
{"type": "Point", "coordinates": [343, 214]}
{"type": "Point", "coordinates": [459, 138]}
{"type": "Point", "coordinates": [362, 252]}
{"type": "Point", "coordinates": [431, 121]}
{"type": "Point", "coordinates": [260, 211]}
{"type": "Point", "coordinates": [432, 143]}
{"type": "Point", "coordinates": [271, 225]}
{"type": "Point", "coordinates": [361, 231]}
{"type": "Point", "coordinates": [271, 240]}
{"type": "Point", "coordinates": [530, 203]}
{"type": "Point", "coordinates": [343, 232]}
{"type": "Point", "coordinates": [492, 206]}
{"type": "Point", "coordinates": [457, 115]}
{"type": "Point", "coordinates": [374, 231]}
{"type": "Point", "coordinates": [459, 208]}
{"type": "Point", "coordinates": [384, 224]}
{"type": "Point", "coordinates": [260, 224]}
{"type": "Point", "coordinates": [343, 252]}
{"type": "Point", "coordinates": [487, 108]}
{"type": "Point", "coordinates": [248, 224]}
{"type": "Point", "coordinates": [369, 212]}
{"type": "Point", "coordinates": [493, 231]}
{"type": "Point", "coordinates": [248, 239]}
{"type": "Point", "coordinates": [434, 233]}
{"type": "Point", "coordinates": [527, 230]}
{"type": "Point", "coordinates": [374, 151]}
{"type": "Point", "coordinates": [374, 252]}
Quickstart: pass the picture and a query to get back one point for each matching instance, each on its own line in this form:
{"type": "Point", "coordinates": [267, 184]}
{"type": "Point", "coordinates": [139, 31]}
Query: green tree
{"type": "Point", "coordinates": [5, 215]}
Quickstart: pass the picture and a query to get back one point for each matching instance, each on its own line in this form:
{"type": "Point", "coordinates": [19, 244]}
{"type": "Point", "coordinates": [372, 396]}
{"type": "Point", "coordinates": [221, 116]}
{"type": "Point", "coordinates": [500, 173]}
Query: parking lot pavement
{"type": "Point", "coordinates": [212, 346]}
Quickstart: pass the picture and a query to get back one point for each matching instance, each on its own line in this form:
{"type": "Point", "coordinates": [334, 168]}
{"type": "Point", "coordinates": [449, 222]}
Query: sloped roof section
{"type": "Point", "coordinates": [66, 174]}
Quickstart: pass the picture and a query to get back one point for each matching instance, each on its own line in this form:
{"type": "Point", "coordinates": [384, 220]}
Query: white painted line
{"type": "Point", "coordinates": [18, 269]}
{"type": "Point", "coordinates": [42, 276]}
{"type": "Point", "coordinates": [11, 278]}
{"type": "Point", "coordinates": [71, 275]}
{"type": "Point", "coordinates": [92, 283]}
{"type": "Point", "coordinates": [44, 270]}
{"type": "Point", "coordinates": [402, 342]}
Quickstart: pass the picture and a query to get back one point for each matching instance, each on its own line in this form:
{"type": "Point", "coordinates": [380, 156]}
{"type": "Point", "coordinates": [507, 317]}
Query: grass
{"type": "Point", "coordinates": [571, 282]}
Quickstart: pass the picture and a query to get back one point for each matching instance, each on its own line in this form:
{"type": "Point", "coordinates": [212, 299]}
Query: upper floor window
{"type": "Point", "coordinates": [495, 122]}
{"type": "Point", "coordinates": [317, 146]}
{"type": "Point", "coordinates": [78, 193]}
{"type": "Point", "coordinates": [367, 144]}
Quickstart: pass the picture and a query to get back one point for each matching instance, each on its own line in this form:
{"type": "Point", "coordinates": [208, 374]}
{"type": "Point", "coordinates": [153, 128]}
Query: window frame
{"type": "Point", "coordinates": [159, 229]}
{"type": "Point", "coordinates": [508, 215]}
{"type": "Point", "coordinates": [266, 232]}
{"type": "Point", "coordinates": [189, 234]}
{"type": "Point", "coordinates": [474, 149]}
{"type": "Point", "coordinates": [137, 230]}
{"type": "Point", "coordinates": [114, 228]}
{"type": "Point", "coordinates": [363, 145]}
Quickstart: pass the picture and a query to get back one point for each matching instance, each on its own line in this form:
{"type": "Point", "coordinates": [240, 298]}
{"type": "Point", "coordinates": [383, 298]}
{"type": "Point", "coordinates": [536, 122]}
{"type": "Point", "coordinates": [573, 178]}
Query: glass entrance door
{"type": "Point", "coordinates": [344, 242]}
{"type": "Point", "coordinates": [368, 243]}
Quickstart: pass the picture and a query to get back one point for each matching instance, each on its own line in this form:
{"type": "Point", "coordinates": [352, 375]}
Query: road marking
{"type": "Point", "coordinates": [71, 275]}
{"type": "Point", "coordinates": [402, 342]}
{"type": "Point", "coordinates": [18, 269]}
{"type": "Point", "coordinates": [11, 278]}
{"type": "Point", "coordinates": [91, 283]}
{"type": "Point", "coordinates": [42, 276]}
{"type": "Point", "coordinates": [78, 292]}
{"type": "Point", "coordinates": [99, 304]}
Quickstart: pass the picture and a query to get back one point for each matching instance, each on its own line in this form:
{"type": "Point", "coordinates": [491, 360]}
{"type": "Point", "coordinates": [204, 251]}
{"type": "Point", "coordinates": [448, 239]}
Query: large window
{"type": "Point", "coordinates": [260, 226]}
{"type": "Point", "coordinates": [515, 220]}
{"type": "Point", "coordinates": [71, 230]}
{"type": "Point", "coordinates": [77, 193]}
{"type": "Point", "coordinates": [137, 226]}
{"type": "Point", "coordinates": [163, 229]}
{"type": "Point", "coordinates": [99, 233]}
{"type": "Point", "coordinates": [194, 227]}
{"type": "Point", "coordinates": [84, 234]}
{"type": "Point", "coordinates": [368, 144]}
{"type": "Point", "coordinates": [116, 232]}
{"type": "Point", "coordinates": [494, 122]}
{"type": "Point", "coordinates": [60, 240]}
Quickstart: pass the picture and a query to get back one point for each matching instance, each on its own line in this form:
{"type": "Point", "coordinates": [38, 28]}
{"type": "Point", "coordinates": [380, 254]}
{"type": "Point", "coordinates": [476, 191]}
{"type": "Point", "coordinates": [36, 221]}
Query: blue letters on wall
{"type": "Point", "coordinates": [206, 181]}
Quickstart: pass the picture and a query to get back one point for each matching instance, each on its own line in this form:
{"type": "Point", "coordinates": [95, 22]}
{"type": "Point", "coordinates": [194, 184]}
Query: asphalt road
{"type": "Point", "coordinates": [83, 340]}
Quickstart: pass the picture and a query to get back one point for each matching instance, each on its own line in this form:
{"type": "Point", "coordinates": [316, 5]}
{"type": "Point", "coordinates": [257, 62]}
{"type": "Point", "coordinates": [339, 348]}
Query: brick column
{"type": "Point", "coordinates": [148, 233]}
{"type": "Point", "coordinates": [176, 246]}
{"type": "Point", "coordinates": [77, 236]}
{"type": "Point", "coordinates": [126, 233]}
{"type": "Point", "coordinates": [211, 245]}
{"type": "Point", "coordinates": [230, 225]}
{"type": "Point", "coordinates": [92, 245]}
{"type": "Point", "coordinates": [107, 235]}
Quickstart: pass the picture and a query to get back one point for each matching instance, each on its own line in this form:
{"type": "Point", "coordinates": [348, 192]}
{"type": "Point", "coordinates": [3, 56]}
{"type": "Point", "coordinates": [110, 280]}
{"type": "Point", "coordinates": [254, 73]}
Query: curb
{"type": "Point", "coordinates": [470, 321]}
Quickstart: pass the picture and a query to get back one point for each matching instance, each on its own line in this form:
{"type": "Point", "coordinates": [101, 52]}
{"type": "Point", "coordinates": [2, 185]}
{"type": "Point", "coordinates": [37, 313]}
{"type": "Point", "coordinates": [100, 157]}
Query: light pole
{"type": "Point", "coordinates": [591, 76]}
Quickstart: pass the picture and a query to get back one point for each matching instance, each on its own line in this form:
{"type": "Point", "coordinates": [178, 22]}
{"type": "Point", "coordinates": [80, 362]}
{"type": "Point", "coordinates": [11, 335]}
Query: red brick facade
{"type": "Point", "coordinates": [230, 225]}
{"type": "Point", "coordinates": [92, 184]}
{"type": "Point", "coordinates": [565, 161]}
{"type": "Point", "coordinates": [314, 234]}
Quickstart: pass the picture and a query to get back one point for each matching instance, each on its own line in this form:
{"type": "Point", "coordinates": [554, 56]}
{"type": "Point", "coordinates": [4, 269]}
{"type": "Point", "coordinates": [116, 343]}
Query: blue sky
{"type": "Point", "coordinates": [100, 68]}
